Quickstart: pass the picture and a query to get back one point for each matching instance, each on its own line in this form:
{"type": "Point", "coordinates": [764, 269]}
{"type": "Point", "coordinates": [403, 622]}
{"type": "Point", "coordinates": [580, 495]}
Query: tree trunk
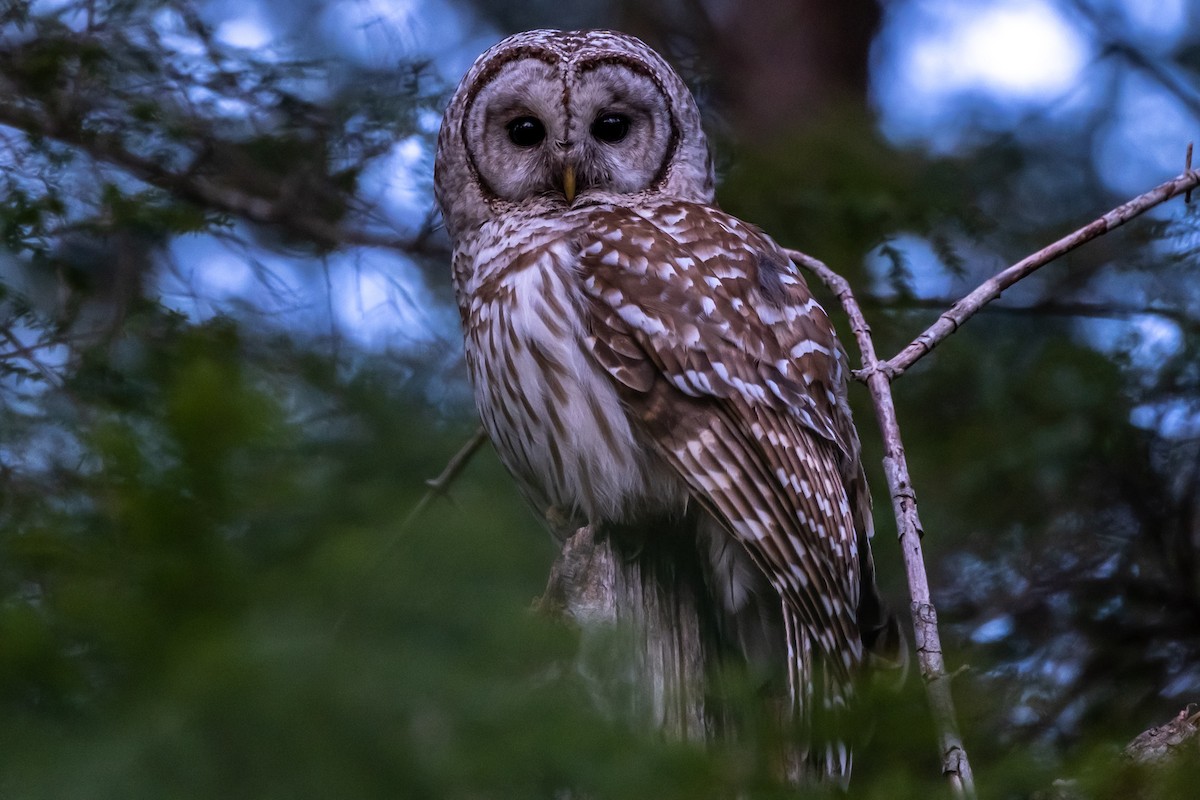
{"type": "Point", "coordinates": [647, 646]}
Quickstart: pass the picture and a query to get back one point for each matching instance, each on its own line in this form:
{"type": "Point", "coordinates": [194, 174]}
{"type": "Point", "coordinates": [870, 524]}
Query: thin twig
{"type": "Point", "coordinates": [1187, 167]}
{"type": "Point", "coordinates": [990, 289]}
{"type": "Point", "coordinates": [955, 765]}
{"type": "Point", "coordinates": [437, 486]}
{"type": "Point", "coordinates": [22, 350]}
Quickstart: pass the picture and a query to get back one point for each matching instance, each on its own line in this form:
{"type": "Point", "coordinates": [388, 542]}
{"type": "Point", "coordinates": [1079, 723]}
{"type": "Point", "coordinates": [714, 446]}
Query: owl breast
{"type": "Point", "coordinates": [554, 416]}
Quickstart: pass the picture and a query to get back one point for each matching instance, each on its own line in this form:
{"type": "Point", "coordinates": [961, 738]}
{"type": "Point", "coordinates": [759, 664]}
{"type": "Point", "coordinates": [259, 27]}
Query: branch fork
{"type": "Point", "coordinates": [879, 375]}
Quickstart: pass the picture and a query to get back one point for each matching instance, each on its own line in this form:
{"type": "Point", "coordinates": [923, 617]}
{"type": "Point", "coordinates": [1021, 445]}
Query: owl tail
{"type": "Point", "coordinates": [820, 696]}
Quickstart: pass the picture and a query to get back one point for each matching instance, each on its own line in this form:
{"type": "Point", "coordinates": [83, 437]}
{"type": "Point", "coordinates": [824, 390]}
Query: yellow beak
{"type": "Point", "coordinates": [569, 182]}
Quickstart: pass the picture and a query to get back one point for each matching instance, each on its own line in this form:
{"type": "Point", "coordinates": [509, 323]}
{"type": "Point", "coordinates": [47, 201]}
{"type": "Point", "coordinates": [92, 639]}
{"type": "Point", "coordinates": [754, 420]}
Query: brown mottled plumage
{"type": "Point", "coordinates": [633, 348]}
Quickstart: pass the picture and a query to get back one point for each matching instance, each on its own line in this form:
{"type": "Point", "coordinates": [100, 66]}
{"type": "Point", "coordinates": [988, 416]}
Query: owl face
{"type": "Point", "coordinates": [553, 117]}
{"type": "Point", "coordinates": [537, 128]}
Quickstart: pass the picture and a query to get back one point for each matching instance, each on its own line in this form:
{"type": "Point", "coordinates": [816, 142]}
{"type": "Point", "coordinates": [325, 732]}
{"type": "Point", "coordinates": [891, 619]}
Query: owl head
{"type": "Point", "coordinates": [557, 117]}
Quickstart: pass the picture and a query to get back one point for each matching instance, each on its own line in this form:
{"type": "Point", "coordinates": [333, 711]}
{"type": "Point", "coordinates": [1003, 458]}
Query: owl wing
{"type": "Point", "coordinates": [733, 371]}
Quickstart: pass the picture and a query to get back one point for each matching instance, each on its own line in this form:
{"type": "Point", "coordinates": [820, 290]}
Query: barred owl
{"type": "Point", "coordinates": [634, 349]}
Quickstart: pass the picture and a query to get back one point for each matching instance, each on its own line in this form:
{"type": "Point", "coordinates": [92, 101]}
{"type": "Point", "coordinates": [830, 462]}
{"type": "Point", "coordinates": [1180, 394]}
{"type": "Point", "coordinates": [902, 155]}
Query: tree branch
{"type": "Point", "coordinates": [991, 289]}
{"type": "Point", "coordinates": [199, 189]}
{"type": "Point", "coordinates": [1043, 308]}
{"type": "Point", "coordinates": [27, 352]}
{"type": "Point", "coordinates": [878, 375]}
{"type": "Point", "coordinates": [438, 486]}
{"type": "Point", "coordinates": [955, 765]}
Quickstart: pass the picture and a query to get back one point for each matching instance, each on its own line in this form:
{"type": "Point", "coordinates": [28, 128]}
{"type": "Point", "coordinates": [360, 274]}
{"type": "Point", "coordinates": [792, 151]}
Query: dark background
{"type": "Point", "coordinates": [229, 360]}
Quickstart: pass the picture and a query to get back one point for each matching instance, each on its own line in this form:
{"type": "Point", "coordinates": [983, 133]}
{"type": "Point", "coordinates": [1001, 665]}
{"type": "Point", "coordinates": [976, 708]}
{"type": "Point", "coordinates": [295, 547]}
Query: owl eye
{"type": "Point", "coordinates": [610, 128]}
{"type": "Point", "coordinates": [526, 131]}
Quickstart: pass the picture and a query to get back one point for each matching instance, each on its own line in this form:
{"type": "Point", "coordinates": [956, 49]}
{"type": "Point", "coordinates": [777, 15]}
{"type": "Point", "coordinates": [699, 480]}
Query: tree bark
{"type": "Point", "coordinates": [1162, 744]}
{"type": "Point", "coordinates": [646, 645]}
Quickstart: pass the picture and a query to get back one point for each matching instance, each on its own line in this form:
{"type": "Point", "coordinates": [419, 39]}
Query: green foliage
{"type": "Point", "coordinates": [195, 130]}
{"type": "Point", "coordinates": [216, 594]}
{"type": "Point", "coordinates": [151, 213]}
{"type": "Point", "coordinates": [207, 584]}
{"type": "Point", "coordinates": [220, 600]}
{"type": "Point", "coordinates": [835, 189]}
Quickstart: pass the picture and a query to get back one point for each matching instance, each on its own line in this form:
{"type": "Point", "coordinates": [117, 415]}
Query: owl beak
{"type": "Point", "coordinates": [569, 182]}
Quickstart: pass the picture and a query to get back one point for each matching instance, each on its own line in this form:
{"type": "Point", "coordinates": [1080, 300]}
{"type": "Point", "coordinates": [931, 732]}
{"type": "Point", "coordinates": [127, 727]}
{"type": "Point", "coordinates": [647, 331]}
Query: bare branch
{"type": "Point", "coordinates": [955, 765]}
{"type": "Point", "coordinates": [439, 485]}
{"type": "Point", "coordinates": [991, 289]}
{"type": "Point", "coordinates": [1044, 308]}
{"type": "Point", "coordinates": [878, 376]}
{"type": "Point", "coordinates": [1187, 167]}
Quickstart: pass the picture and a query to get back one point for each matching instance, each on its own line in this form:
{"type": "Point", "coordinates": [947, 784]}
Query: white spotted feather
{"type": "Point", "coordinates": [634, 349]}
